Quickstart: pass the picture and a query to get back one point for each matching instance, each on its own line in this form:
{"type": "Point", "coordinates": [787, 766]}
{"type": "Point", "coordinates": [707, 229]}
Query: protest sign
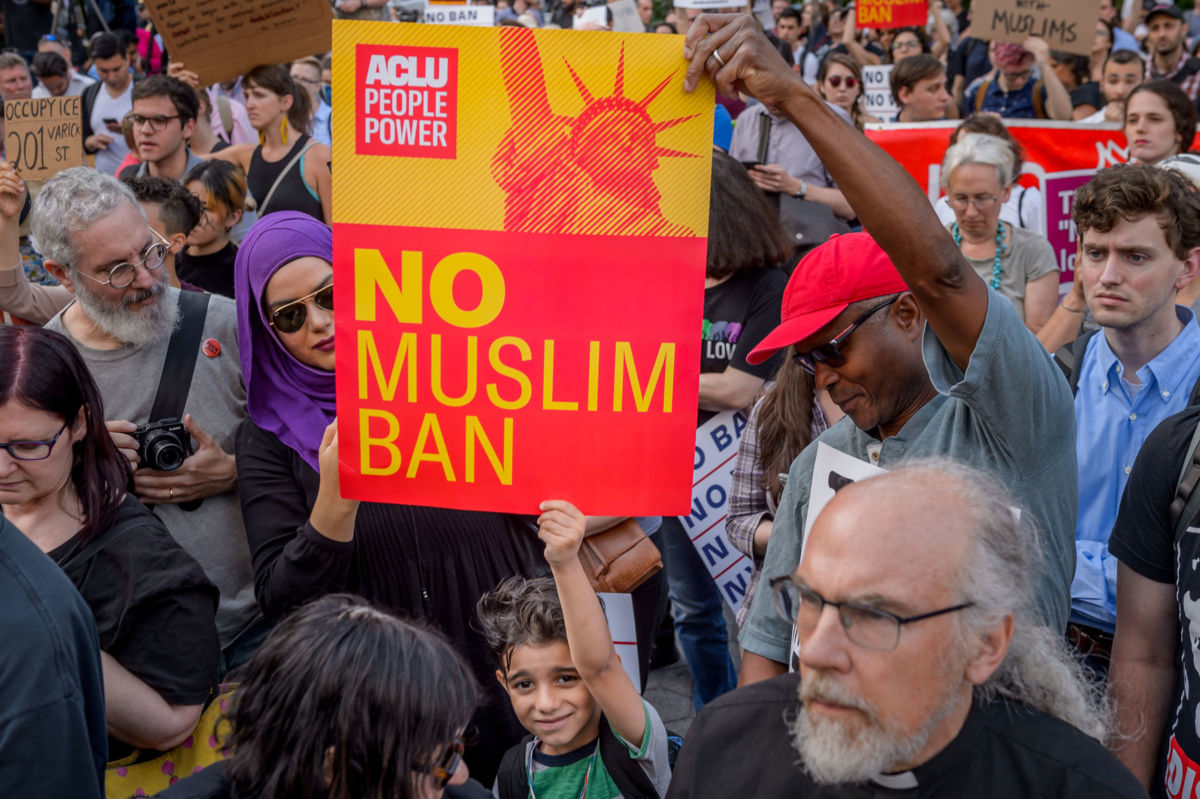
{"type": "Point", "coordinates": [593, 15]}
{"type": "Point", "coordinates": [520, 222]}
{"type": "Point", "coordinates": [877, 91]}
{"type": "Point", "coordinates": [1067, 25]}
{"type": "Point", "coordinates": [891, 13]}
{"type": "Point", "coordinates": [716, 448]}
{"type": "Point", "coordinates": [1059, 157]}
{"type": "Point", "coordinates": [222, 39]}
{"type": "Point", "coordinates": [43, 137]}
{"type": "Point", "coordinates": [460, 14]}
{"type": "Point", "coordinates": [618, 611]}
{"type": "Point", "coordinates": [625, 17]}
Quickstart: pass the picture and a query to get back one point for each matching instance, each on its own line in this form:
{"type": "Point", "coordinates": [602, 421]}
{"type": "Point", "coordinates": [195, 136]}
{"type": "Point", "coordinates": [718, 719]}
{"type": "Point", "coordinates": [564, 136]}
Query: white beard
{"type": "Point", "coordinates": [138, 328]}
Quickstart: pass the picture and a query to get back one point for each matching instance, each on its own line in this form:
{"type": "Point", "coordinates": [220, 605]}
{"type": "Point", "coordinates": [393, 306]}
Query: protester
{"type": "Point", "coordinates": [1074, 72]}
{"type": "Point", "coordinates": [105, 103]}
{"type": "Point", "coordinates": [289, 171]}
{"type": "Point", "coordinates": [790, 416]}
{"type": "Point", "coordinates": [345, 701]}
{"type": "Point", "coordinates": [1123, 70]}
{"type": "Point", "coordinates": [588, 727]}
{"type": "Point", "coordinates": [932, 676]}
{"type": "Point", "coordinates": [978, 175]}
{"type": "Point", "coordinates": [903, 379]}
{"type": "Point", "coordinates": [307, 73]}
{"type": "Point", "coordinates": [77, 81]}
{"type": "Point", "coordinates": [163, 119]}
{"type": "Point", "coordinates": [67, 490]}
{"type": "Point", "coordinates": [1013, 94]}
{"type": "Point", "coordinates": [906, 43]}
{"type": "Point", "coordinates": [1160, 121]}
{"type": "Point", "coordinates": [15, 81]}
{"type": "Point", "coordinates": [918, 85]}
{"type": "Point", "coordinates": [428, 563]}
{"type": "Point", "coordinates": [97, 242]}
{"type": "Point", "coordinates": [1110, 13]}
{"type": "Point", "coordinates": [789, 31]}
{"type": "Point", "coordinates": [839, 81]}
{"type": "Point", "coordinates": [866, 53]}
{"type": "Point", "coordinates": [208, 259]}
{"type": "Point", "coordinates": [53, 75]}
{"type": "Point", "coordinates": [52, 731]}
{"type": "Point", "coordinates": [1024, 205]}
{"type": "Point", "coordinates": [1166, 39]}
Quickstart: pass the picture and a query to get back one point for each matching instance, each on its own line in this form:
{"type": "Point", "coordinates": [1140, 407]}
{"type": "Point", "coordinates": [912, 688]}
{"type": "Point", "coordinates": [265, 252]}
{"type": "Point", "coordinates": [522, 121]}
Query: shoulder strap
{"type": "Point", "coordinates": [979, 94]}
{"type": "Point", "coordinates": [103, 539]}
{"type": "Point", "coordinates": [1039, 102]}
{"type": "Point", "coordinates": [511, 779]}
{"type": "Point", "coordinates": [262, 209]}
{"type": "Point", "coordinates": [1070, 356]}
{"type": "Point", "coordinates": [1187, 498]}
{"type": "Point", "coordinates": [182, 350]}
{"type": "Point", "coordinates": [624, 770]}
{"type": "Point", "coordinates": [226, 113]}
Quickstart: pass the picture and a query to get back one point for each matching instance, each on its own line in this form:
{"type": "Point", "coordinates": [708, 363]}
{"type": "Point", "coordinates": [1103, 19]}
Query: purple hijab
{"type": "Point", "coordinates": [283, 396]}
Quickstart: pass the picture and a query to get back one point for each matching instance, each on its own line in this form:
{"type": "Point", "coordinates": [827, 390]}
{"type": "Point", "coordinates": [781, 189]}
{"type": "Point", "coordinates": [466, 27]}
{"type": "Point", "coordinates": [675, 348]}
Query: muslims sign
{"type": "Point", "coordinates": [1068, 25]}
{"type": "Point", "coordinates": [890, 13]}
{"type": "Point", "coordinates": [520, 222]}
{"type": "Point", "coordinates": [43, 136]}
{"type": "Point", "coordinates": [222, 39]}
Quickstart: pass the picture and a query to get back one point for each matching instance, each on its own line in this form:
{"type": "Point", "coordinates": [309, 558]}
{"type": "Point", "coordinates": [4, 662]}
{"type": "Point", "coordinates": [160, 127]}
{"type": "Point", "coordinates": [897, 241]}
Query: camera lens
{"type": "Point", "coordinates": [165, 454]}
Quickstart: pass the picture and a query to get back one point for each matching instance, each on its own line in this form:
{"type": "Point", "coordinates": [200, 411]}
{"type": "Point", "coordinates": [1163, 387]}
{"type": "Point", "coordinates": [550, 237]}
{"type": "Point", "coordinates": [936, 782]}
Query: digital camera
{"type": "Point", "coordinates": [163, 445]}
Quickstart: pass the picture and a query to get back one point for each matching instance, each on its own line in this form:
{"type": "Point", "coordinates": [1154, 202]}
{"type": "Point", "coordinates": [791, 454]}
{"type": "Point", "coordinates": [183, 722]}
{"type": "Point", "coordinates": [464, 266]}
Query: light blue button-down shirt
{"type": "Point", "coordinates": [1110, 429]}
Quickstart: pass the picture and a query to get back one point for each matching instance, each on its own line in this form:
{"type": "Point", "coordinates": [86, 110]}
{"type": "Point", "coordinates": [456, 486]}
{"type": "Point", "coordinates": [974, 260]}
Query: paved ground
{"type": "Point", "coordinates": [669, 689]}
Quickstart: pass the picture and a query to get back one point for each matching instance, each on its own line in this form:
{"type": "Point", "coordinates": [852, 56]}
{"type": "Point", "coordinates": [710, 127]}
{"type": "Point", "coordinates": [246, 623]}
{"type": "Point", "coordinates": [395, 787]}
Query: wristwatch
{"type": "Point", "coordinates": [803, 192]}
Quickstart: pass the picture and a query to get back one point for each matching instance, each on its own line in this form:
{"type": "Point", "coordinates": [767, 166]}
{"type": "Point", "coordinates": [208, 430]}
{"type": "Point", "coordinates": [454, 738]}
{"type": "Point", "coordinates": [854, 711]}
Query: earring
{"type": "Point", "coordinates": [283, 130]}
{"type": "Point", "coordinates": [262, 139]}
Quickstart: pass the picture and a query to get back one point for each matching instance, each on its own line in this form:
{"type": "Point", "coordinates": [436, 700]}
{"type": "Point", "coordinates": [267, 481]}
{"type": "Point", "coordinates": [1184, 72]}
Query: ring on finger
{"type": "Point", "coordinates": [717, 55]}
{"type": "Point", "coordinates": [170, 493]}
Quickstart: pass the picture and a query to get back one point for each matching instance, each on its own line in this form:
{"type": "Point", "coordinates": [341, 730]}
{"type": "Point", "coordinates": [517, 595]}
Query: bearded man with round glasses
{"type": "Point", "coordinates": [924, 668]}
{"type": "Point", "coordinates": [96, 240]}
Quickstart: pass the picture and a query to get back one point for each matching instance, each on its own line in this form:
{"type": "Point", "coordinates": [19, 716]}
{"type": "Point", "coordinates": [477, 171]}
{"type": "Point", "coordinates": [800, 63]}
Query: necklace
{"type": "Point", "coordinates": [1000, 248]}
{"type": "Point", "coordinates": [529, 768]}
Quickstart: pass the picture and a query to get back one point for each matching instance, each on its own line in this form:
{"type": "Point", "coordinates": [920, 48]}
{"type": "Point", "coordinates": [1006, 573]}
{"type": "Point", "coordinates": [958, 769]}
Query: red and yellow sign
{"type": "Point", "coordinates": [891, 13]}
{"type": "Point", "coordinates": [520, 222]}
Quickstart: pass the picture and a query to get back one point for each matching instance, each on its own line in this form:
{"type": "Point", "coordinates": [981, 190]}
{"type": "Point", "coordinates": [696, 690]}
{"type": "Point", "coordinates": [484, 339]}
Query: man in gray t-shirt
{"type": "Point", "coordinates": [96, 241]}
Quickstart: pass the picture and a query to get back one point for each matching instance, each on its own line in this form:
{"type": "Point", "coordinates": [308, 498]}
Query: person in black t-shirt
{"type": "Point", "coordinates": [923, 667]}
{"type": "Point", "coordinates": [210, 254]}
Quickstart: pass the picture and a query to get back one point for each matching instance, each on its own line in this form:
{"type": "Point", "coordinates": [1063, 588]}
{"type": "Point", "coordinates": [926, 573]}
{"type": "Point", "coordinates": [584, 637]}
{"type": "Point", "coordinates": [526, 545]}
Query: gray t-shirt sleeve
{"type": "Point", "coordinates": [651, 751]}
{"type": "Point", "coordinates": [1035, 257]}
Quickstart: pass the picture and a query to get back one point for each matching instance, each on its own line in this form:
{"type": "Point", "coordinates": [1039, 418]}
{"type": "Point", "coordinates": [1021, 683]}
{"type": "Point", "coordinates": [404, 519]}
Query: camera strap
{"type": "Point", "coordinates": [182, 350]}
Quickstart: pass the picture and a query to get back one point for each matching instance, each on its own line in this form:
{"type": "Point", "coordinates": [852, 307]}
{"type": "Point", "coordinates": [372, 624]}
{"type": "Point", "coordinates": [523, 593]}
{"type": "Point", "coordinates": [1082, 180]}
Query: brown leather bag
{"type": "Point", "coordinates": [619, 559]}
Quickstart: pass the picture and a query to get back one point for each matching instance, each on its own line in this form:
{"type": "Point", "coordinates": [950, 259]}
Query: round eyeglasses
{"type": "Point", "coordinates": [124, 273]}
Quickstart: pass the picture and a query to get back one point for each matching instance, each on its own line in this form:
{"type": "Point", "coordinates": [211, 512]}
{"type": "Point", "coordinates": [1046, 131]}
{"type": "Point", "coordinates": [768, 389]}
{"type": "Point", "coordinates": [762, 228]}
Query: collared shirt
{"type": "Point", "coordinates": [1016, 104]}
{"type": "Point", "coordinates": [786, 144]}
{"type": "Point", "coordinates": [1111, 426]}
{"type": "Point", "coordinates": [1190, 83]}
{"type": "Point", "coordinates": [75, 86]}
{"type": "Point", "coordinates": [143, 168]}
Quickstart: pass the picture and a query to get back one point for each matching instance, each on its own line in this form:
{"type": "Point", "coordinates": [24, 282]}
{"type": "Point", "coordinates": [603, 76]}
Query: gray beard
{"type": "Point", "coordinates": [132, 328]}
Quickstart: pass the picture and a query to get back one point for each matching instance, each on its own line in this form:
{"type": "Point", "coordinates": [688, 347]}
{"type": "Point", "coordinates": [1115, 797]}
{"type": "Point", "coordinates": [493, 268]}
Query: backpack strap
{"type": "Point", "coordinates": [1039, 101]}
{"type": "Point", "coordinates": [1069, 358]}
{"type": "Point", "coordinates": [624, 770]}
{"type": "Point", "coordinates": [1187, 498]}
{"type": "Point", "coordinates": [979, 94]}
{"type": "Point", "coordinates": [511, 779]}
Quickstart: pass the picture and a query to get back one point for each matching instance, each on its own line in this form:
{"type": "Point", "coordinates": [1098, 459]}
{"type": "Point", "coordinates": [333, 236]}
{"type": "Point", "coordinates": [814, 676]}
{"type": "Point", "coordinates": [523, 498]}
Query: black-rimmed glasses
{"type": "Point", "coordinates": [157, 123]}
{"type": "Point", "coordinates": [124, 273]}
{"type": "Point", "coordinates": [291, 317]}
{"type": "Point", "coordinates": [830, 353]}
{"type": "Point", "coordinates": [869, 627]}
{"type": "Point", "coordinates": [33, 450]}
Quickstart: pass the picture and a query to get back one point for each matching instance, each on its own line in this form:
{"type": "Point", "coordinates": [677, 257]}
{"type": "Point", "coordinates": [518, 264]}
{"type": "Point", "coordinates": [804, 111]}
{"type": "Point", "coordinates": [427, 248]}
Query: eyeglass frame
{"type": "Point", "coordinates": [982, 204]}
{"type": "Point", "coordinates": [905, 44]}
{"type": "Point", "coordinates": [443, 770]}
{"type": "Point", "coordinates": [158, 122]}
{"type": "Point", "coordinates": [7, 447]}
{"type": "Point", "coordinates": [166, 245]}
{"type": "Point", "coordinates": [807, 361]}
{"type": "Point", "coordinates": [302, 301]}
{"type": "Point", "coordinates": [779, 588]}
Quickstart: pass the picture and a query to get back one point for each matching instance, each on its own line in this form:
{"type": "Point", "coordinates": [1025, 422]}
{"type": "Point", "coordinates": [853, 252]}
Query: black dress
{"type": "Point", "coordinates": [423, 563]}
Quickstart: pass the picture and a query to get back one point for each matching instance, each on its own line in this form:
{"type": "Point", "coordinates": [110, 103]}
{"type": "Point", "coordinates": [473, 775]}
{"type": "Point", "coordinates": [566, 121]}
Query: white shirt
{"type": "Point", "coordinates": [75, 87]}
{"type": "Point", "coordinates": [109, 107]}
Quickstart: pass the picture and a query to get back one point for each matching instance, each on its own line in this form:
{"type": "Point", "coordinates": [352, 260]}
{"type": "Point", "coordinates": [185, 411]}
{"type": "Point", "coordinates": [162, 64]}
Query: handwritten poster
{"type": "Point", "coordinates": [221, 39]}
{"type": "Point", "coordinates": [520, 223]}
{"type": "Point", "coordinates": [43, 137]}
{"type": "Point", "coordinates": [1068, 25]}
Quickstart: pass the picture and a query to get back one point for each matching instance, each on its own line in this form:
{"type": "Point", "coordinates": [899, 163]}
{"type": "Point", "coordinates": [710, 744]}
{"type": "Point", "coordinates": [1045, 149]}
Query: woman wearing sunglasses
{"type": "Point", "coordinates": [345, 701]}
{"type": "Point", "coordinates": [305, 540]}
{"type": "Point", "coordinates": [839, 81]}
{"type": "Point", "coordinates": [67, 487]}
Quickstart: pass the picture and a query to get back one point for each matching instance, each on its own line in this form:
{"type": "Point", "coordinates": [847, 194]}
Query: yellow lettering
{"type": "Point", "coordinates": [441, 289]}
{"type": "Point", "coordinates": [548, 401]}
{"type": "Point", "coordinates": [386, 441]}
{"type": "Point", "coordinates": [430, 426]}
{"type": "Point", "coordinates": [503, 469]}
{"type": "Point", "coordinates": [504, 370]}
{"type": "Point", "coordinates": [369, 361]}
{"type": "Point", "coordinates": [593, 375]}
{"type": "Point", "coordinates": [435, 355]}
{"type": "Point", "coordinates": [371, 272]}
{"type": "Point", "coordinates": [664, 366]}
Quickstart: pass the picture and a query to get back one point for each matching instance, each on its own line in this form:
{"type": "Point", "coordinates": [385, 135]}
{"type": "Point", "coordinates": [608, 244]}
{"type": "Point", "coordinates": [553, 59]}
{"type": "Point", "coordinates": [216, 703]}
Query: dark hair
{"type": "Point", "coordinates": [48, 64]}
{"type": "Point", "coordinates": [991, 125]}
{"type": "Point", "coordinates": [517, 612]}
{"type": "Point", "coordinates": [1132, 191]}
{"type": "Point", "coordinates": [182, 96]}
{"type": "Point", "coordinates": [847, 61]}
{"type": "Point", "coordinates": [744, 231]}
{"type": "Point", "coordinates": [380, 695]}
{"type": "Point", "coordinates": [276, 79]}
{"type": "Point", "coordinates": [106, 45]}
{"type": "Point", "coordinates": [224, 181]}
{"type": "Point", "coordinates": [1124, 57]}
{"type": "Point", "coordinates": [789, 13]}
{"type": "Point", "coordinates": [666, 25]}
{"type": "Point", "coordinates": [918, 32]}
{"type": "Point", "coordinates": [1183, 112]}
{"type": "Point", "coordinates": [1080, 67]}
{"type": "Point", "coordinates": [785, 419]}
{"type": "Point", "coordinates": [178, 208]}
{"type": "Point", "coordinates": [912, 70]}
{"type": "Point", "coordinates": [43, 370]}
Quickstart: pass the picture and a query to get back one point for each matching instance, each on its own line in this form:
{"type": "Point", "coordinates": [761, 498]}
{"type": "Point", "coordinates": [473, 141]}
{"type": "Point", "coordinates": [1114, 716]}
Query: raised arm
{"type": "Point", "coordinates": [18, 296]}
{"type": "Point", "coordinates": [952, 297]}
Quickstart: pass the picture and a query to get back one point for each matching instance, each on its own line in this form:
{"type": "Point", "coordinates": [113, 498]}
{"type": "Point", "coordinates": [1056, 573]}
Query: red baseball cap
{"type": "Point", "coordinates": [843, 270]}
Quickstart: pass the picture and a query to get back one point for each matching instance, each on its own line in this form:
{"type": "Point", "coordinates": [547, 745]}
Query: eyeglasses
{"type": "Point", "coordinates": [291, 317]}
{"type": "Point", "coordinates": [123, 274]}
{"type": "Point", "coordinates": [836, 81]}
{"type": "Point", "coordinates": [309, 81]}
{"type": "Point", "coordinates": [905, 44]}
{"type": "Point", "coordinates": [869, 627]}
{"type": "Point", "coordinates": [831, 353]}
{"type": "Point", "coordinates": [33, 450]}
{"type": "Point", "coordinates": [982, 204]}
{"type": "Point", "coordinates": [443, 770]}
{"type": "Point", "coordinates": [157, 123]}
{"type": "Point", "coordinates": [1014, 77]}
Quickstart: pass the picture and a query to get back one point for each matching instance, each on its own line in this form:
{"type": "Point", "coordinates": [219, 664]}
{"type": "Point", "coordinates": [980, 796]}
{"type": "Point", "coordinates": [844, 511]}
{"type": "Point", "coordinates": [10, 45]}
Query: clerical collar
{"type": "Point", "coordinates": [940, 764]}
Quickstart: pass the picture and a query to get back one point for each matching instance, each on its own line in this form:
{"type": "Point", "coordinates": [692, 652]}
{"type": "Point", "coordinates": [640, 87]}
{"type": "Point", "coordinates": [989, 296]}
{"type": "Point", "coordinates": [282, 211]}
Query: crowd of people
{"type": "Point", "coordinates": [1014, 605]}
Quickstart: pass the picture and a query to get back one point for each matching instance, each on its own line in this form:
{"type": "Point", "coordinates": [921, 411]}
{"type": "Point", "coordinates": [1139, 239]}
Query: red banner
{"type": "Point", "coordinates": [891, 13]}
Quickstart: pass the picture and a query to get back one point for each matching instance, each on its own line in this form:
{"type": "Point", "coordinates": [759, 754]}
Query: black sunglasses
{"type": "Point", "coordinates": [830, 353]}
{"type": "Point", "coordinates": [443, 770]}
{"type": "Point", "coordinates": [291, 317]}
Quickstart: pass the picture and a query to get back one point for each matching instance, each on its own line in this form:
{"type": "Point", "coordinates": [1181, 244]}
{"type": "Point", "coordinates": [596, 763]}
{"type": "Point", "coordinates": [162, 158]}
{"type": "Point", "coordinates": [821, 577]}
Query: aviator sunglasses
{"type": "Point", "coordinates": [291, 317]}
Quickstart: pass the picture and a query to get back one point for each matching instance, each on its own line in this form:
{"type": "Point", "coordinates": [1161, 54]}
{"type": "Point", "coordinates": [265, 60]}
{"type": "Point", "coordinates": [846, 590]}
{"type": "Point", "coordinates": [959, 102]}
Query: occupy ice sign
{"type": "Point", "coordinates": [519, 221]}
